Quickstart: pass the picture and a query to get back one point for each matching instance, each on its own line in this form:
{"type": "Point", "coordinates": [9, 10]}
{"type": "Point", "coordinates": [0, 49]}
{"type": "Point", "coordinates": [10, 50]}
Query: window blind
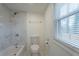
{"type": "Point", "coordinates": [68, 27]}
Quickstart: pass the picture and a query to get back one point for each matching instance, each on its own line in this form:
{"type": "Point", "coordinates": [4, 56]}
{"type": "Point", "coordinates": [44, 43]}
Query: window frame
{"type": "Point", "coordinates": [59, 19]}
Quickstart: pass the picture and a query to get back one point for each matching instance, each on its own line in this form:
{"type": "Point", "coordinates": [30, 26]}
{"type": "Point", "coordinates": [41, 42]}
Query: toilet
{"type": "Point", "coordinates": [35, 49]}
{"type": "Point", "coordinates": [34, 45]}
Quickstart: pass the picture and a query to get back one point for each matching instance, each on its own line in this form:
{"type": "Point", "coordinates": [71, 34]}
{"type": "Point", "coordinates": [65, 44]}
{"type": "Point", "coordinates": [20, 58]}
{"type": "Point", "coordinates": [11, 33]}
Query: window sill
{"type": "Point", "coordinates": [69, 48]}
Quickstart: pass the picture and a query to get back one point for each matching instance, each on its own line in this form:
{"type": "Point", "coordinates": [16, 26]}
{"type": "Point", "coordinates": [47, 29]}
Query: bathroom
{"type": "Point", "coordinates": [19, 27]}
{"type": "Point", "coordinates": [29, 29]}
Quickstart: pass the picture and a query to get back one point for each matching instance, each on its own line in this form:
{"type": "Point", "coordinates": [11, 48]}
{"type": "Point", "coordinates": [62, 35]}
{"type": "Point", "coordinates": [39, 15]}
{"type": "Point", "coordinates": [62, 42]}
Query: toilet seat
{"type": "Point", "coordinates": [34, 48]}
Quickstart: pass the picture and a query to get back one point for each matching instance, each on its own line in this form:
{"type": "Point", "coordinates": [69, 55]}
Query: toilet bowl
{"type": "Point", "coordinates": [34, 49]}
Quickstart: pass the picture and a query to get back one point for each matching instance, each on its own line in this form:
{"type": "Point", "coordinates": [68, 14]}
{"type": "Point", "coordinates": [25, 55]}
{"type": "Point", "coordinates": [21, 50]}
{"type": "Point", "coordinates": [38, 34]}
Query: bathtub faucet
{"type": "Point", "coordinates": [16, 45]}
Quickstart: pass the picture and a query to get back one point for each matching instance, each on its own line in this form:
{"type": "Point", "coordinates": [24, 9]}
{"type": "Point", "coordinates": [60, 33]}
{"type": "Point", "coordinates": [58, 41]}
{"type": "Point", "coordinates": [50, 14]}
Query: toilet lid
{"type": "Point", "coordinates": [35, 47]}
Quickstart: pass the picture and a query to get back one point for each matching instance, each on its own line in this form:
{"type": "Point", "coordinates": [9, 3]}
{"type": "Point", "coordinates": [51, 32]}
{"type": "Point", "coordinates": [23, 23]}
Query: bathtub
{"type": "Point", "coordinates": [13, 51]}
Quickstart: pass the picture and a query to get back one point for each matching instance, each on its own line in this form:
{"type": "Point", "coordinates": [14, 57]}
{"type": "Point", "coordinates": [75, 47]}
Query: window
{"type": "Point", "coordinates": [67, 19]}
{"type": "Point", "coordinates": [61, 10]}
{"type": "Point", "coordinates": [75, 5]}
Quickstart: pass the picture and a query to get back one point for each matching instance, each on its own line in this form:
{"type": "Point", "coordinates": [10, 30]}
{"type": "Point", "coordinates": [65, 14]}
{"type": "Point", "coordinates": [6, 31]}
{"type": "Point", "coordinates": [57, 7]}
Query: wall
{"type": "Point", "coordinates": [19, 27]}
{"type": "Point", "coordinates": [10, 25]}
{"type": "Point", "coordinates": [52, 49]}
{"type": "Point", "coordinates": [5, 28]}
{"type": "Point", "coordinates": [35, 26]}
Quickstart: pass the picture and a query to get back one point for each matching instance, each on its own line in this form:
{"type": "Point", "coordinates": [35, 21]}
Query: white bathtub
{"type": "Point", "coordinates": [13, 51]}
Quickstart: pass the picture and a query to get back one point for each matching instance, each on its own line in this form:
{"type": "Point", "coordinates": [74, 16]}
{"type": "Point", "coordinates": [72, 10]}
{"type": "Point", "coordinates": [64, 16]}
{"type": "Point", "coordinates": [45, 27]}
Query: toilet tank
{"type": "Point", "coordinates": [35, 39]}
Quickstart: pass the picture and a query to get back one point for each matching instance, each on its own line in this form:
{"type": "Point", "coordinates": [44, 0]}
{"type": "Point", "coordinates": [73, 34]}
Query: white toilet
{"type": "Point", "coordinates": [35, 45]}
{"type": "Point", "coordinates": [35, 49]}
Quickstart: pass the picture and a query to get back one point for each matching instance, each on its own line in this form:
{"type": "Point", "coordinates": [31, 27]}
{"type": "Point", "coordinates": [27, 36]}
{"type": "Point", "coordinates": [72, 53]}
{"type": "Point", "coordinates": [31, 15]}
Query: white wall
{"type": "Point", "coordinates": [5, 32]}
{"type": "Point", "coordinates": [19, 27]}
{"type": "Point", "coordinates": [53, 49]}
{"type": "Point", "coordinates": [34, 27]}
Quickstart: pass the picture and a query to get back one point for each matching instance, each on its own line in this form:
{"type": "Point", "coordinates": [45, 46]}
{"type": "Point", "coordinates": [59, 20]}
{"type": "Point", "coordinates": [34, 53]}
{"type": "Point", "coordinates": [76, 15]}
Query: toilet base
{"type": "Point", "coordinates": [35, 54]}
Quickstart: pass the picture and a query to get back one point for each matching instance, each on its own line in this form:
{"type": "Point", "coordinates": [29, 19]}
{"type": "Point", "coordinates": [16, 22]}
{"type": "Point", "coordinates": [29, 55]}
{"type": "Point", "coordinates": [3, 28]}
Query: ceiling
{"type": "Point", "coordinates": [27, 7]}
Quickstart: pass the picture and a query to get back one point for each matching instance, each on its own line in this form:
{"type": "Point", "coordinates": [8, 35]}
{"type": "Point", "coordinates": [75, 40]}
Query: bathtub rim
{"type": "Point", "coordinates": [21, 47]}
